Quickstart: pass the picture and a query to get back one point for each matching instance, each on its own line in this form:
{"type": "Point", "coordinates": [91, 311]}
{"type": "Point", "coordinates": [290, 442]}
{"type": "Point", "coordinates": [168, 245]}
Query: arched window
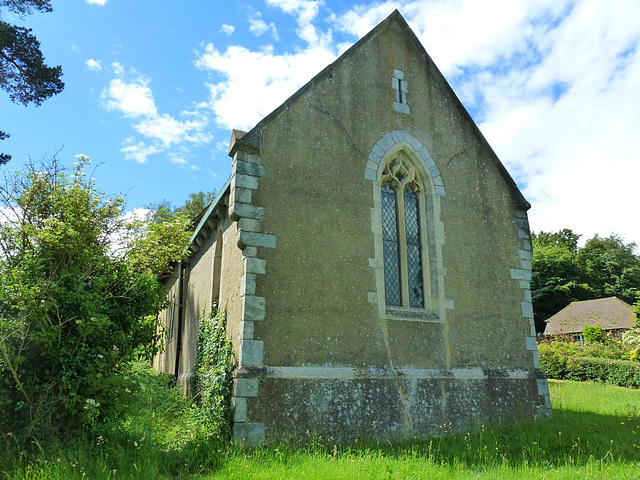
{"type": "Point", "coordinates": [401, 188]}
{"type": "Point", "coordinates": [408, 234]}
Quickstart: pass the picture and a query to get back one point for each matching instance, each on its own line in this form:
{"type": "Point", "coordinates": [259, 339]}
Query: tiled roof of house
{"type": "Point", "coordinates": [610, 313]}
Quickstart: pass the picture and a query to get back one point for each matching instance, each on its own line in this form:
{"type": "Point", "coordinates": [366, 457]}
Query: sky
{"type": "Point", "coordinates": [154, 87]}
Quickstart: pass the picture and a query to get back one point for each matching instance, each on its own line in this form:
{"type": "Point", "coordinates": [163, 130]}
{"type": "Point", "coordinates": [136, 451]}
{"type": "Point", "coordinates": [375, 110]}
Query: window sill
{"type": "Point", "coordinates": [411, 315]}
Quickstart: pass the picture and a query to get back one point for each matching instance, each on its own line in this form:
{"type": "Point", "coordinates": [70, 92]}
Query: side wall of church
{"type": "Point", "coordinates": [199, 293]}
{"type": "Point", "coordinates": [165, 360]}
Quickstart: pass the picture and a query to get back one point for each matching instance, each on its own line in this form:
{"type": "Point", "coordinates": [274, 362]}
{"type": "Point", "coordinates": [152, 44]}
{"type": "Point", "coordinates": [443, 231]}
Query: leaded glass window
{"type": "Point", "coordinates": [414, 256]}
{"type": "Point", "coordinates": [401, 234]}
{"type": "Point", "coordinates": [392, 292]}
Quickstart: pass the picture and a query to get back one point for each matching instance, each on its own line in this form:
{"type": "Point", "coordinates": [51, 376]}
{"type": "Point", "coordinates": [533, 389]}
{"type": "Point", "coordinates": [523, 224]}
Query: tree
{"type": "Point", "coordinates": [195, 203]}
{"type": "Point", "coordinates": [23, 73]}
{"type": "Point", "coordinates": [557, 279]}
{"type": "Point", "coordinates": [73, 309]}
{"type": "Point", "coordinates": [563, 273]}
{"type": "Point", "coordinates": [611, 267]}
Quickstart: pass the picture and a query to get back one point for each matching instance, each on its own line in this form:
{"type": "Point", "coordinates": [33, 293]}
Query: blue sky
{"type": "Point", "coordinates": [152, 90]}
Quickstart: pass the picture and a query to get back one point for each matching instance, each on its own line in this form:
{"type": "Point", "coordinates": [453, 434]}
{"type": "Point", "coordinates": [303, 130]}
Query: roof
{"type": "Point", "coordinates": [208, 213]}
{"type": "Point", "coordinates": [610, 313]}
{"type": "Point", "coordinates": [252, 140]}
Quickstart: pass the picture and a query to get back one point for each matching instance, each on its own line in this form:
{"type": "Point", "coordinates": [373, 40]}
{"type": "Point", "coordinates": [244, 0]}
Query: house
{"type": "Point", "coordinates": [612, 314]}
{"type": "Point", "coordinates": [374, 259]}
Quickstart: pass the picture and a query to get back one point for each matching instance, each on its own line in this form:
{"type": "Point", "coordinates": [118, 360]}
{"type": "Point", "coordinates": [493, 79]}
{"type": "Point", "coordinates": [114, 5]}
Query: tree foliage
{"type": "Point", "coordinates": [563, 272]}
{"type": "Point", "coordinates": [557, 279]}
{"type": "Point", "coordinates": [73, 309]}
{"type": "Point", "coordinates": [23, 72]}
{"type": "Point", "coordinates": [191, 208]}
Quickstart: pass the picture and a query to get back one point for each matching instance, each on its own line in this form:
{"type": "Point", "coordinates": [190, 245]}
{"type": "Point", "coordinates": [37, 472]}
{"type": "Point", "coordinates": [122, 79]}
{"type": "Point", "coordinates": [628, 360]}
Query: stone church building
{"type": "Point", "coordinates": [374, 259]}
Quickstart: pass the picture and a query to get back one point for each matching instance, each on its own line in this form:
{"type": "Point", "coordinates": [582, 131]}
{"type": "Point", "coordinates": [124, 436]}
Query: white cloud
{"type": "Point", "coordinates": [258, 27]}
{"type": "Point", "coordinates": [256, 82]}
{"type": "Point", "coordinates": [171, 131]}
{"type": "Point", "coordinates": [139, 152]}
{"type": "Point", "coordinates": [134, 99]}
{"type": "Point", "coordinates": [92, 64]}
{"type": "Point", "coordinates": [120, 239]}
{"type": "Point", "coordinates": [96, 2]}
{"type": "Point", "coordinates": [305, 12]}
{"type": "Point", "coordinates": [227, 29]}
{"type": "Point", "coordinates": [177, 159]}
{"type": "Point", "coordinates": [553, 85]}
{"type": "Point", "coordinates": [117, 69]}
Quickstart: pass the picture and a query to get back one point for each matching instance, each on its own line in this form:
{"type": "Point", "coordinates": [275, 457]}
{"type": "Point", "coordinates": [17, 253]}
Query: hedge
{"type": "Point", "coordinates": [614, 372]}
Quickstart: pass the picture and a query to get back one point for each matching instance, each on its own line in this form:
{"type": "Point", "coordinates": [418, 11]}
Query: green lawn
{"type": "Point", "coordinates": [594, 433]}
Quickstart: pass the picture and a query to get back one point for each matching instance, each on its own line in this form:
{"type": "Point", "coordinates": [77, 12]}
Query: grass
{"type": "Point", "coordinates": [591, 435]}
{"type": "Point", "coordinates": [594, 433]}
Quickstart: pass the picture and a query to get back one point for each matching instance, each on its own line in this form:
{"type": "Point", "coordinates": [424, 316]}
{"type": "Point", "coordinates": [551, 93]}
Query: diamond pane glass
{"type": "Point", "coordinates": [414, 257]}
{"type": "Point", "coordinates": [390, 247]}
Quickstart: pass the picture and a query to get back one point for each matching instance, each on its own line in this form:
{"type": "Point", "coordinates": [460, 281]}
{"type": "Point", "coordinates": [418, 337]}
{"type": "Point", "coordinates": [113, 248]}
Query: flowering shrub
{"type": "Point", "coordinates": [631, 340]}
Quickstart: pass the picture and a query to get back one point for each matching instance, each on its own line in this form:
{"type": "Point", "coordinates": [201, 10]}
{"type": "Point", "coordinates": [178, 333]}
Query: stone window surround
{"type": "Point", "coordinates": [432, 229]}
{"type": "Point", "coordinates": [400, 85]}
{"type": "Point", "coordinates": [413, 182]}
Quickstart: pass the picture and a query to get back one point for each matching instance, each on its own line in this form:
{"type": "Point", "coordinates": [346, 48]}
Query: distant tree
{"type": "Point", "coordinates": [565, 238]}
{"type": "Point", "coordinates": [195, 203]}
{"type": "Point", "coordinates": [563, 273]}
{"type": "Point", "coordinates": [611, 267]}
{"type": "Point", "coordinates": [557, 279]}
{"type": "Point", "coordinates": [23, 73]}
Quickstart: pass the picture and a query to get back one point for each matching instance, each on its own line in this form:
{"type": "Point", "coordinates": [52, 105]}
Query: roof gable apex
{"type": "Point", "coordinates": [251, 141]}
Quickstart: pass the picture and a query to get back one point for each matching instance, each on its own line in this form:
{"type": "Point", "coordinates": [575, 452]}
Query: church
{"type": "Point", "coordinates": [374, 259]}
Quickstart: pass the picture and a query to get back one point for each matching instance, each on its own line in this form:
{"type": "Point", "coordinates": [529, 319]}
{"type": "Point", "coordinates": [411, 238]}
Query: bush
{"type": "Point", "coordinates": [158, 434]}
{"type": "Point", "coordinates": [593, 334]}
{"type": "Point", "coordinates": [559, 363]}
{"type": "Point", "coordinates": [73, 312]}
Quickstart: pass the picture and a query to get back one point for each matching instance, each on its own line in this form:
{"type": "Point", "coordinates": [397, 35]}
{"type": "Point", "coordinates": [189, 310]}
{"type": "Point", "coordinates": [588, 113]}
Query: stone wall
{"type": "Point", "coordinates": [321, 352]}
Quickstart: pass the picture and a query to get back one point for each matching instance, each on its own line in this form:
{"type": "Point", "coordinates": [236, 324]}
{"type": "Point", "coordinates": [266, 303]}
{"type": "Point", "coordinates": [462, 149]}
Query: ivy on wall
{"type": "Point", "coordinates": [213, 379]}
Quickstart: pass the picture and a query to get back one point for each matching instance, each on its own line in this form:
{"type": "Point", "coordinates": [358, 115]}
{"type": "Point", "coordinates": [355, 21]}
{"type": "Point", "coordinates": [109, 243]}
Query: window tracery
{"type": "Point", "coordinates": [402, 244]}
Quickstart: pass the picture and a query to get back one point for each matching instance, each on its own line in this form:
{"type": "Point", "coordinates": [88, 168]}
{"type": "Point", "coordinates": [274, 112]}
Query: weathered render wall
{"type": "Point", "coordinates": [232, 273]}
{"type": "Point", "coordinates": [331, 363]}
{"type": "Point", "coordinates": [199, 293]}
{"type": "Point", "coordinates": [165, 361]}
{"type": "Point", "coordinates": [197, 300]}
